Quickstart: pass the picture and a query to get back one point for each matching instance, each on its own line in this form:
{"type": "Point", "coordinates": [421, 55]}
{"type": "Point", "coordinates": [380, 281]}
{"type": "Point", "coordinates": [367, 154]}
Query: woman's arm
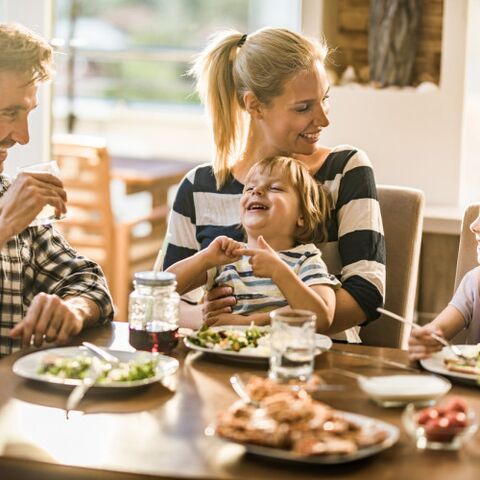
{"type": "Point", "coordinates": [361, 244]}
{"type": "Point", "coordinates": [181, 241]}
{"type": "Point", "coordinates": [348, 312]}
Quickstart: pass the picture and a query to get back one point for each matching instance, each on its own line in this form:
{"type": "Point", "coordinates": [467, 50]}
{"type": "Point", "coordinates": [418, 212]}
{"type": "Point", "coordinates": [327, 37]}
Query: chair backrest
{"type": "Point", "coordinates": [85, 171]}
{"type": "Point", "coordinates": [467, 249]}
{"type": "Point", "coordinates": [402, 216]}
{"type": "Point", "coordinates": [467, 254]}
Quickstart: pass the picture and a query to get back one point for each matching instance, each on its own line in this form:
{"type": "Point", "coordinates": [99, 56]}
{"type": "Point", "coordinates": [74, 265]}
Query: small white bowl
{"type": "Point", "coordinates": [398, 390]}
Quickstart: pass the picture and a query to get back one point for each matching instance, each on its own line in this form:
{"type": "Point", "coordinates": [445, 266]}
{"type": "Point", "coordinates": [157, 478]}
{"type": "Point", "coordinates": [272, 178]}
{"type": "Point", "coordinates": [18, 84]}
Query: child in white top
{"type": "Point", "coordinates": [282, 210]}
{"type": "Point", "coordinates": [462, 312]}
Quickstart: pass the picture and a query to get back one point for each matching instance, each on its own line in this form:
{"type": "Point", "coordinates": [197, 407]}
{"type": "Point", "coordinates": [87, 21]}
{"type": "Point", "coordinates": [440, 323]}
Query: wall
{"type": "Point", "coordinates": [414, 138]}
{"type": "Point", "coordinates": [470, 170]}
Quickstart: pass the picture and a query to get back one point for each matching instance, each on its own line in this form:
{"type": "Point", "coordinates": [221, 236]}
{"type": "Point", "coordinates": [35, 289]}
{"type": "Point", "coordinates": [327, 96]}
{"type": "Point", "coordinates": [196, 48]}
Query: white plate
{"type": "Point", "coordinates": [322, 342]}
{"type": "Point", "coordinates": [435, 364]}
{"type": "Point", "coordinates": [277, 453]}
{"type": "Point", "coordinates": [27, 366]}
{"type": "Point", "coordinates": [398, 390]}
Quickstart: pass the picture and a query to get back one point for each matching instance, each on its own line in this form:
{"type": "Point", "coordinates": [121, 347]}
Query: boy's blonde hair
{"type": "Point", "coordinates": [233, 64]}
{"type": "Point", "coordinates": [313, 199]}
{"type": "Point", "coordinates": [25, 52]}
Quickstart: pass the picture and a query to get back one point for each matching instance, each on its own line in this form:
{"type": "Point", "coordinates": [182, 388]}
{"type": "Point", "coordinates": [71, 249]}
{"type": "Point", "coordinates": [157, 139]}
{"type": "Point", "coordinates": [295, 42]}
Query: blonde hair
{"type": "Point", "coordinates": [313, 199]}
{"type": "Point", "coordinates": [23, 51]}
{"type": "Point", "coordinates": [232, 65]}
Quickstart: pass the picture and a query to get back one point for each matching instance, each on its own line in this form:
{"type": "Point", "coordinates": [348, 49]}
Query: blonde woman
{"type": "Point", "coordinates": [282, 211]}
{"type": "Point", "coordinates": [267, 95]}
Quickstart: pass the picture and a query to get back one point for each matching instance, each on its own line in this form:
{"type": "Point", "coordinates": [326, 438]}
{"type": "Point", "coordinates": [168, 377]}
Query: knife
{"type": "Point", "coordinates": [102, 353]}
{"type": "Point", "coordinates": [80, 390]}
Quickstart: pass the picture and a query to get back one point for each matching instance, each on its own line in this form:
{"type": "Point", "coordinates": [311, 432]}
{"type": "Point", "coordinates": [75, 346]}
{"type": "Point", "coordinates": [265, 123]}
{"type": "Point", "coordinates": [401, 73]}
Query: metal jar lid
{"type": "Point", "coordinates": [155, 279]}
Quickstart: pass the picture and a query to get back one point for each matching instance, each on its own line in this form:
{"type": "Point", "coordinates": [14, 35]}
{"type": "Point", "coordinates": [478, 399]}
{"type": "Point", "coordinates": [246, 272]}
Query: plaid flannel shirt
{"type": "Point", "coordinates": [40, 260]}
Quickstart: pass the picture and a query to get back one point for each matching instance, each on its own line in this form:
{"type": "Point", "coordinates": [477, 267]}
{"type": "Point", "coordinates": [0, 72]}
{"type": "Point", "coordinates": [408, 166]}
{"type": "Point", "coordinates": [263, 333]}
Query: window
{"type": "Point", "coordinates": [134, 54]}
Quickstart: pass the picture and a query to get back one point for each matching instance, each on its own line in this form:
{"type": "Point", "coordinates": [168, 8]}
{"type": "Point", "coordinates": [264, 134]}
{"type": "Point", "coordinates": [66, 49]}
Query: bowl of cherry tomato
{"type": "Point", "coordinates": [443, 427]}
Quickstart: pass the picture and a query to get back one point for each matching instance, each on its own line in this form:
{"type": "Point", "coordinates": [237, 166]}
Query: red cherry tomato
{"type": "Point", "coordinates": [456, 419]}
{"type": "Point", "coordinates": [426, 415]}
{"type": "Point", "coordinates": [439, 430]}
{"type": "Point", "coordinates": [456, 404]}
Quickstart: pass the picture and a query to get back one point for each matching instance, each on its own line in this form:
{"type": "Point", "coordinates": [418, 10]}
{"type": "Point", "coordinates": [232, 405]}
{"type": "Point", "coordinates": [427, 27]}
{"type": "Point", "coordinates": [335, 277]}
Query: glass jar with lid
{"type": "Point", "coordinates": [153, 312]}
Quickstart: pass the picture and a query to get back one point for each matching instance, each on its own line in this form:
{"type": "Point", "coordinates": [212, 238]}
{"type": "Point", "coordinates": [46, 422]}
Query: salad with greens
{"type": "Point", "coordinates": [78, 367]}
{"type": "Point", "coordinates": [254, 339]}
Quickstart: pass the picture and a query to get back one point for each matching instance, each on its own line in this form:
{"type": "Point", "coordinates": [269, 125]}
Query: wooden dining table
{"type": "Point", "coordinates": [159, 430]}
{"type": "Point", "coordinates": [155, 176]}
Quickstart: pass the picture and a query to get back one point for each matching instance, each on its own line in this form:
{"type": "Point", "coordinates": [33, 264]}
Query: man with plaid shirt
{"type": "Point", "coordinates": [48, 292]}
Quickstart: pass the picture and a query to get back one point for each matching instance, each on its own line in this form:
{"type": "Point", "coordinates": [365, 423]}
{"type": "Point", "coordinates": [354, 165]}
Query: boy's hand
{"type": "Point", "coordinates": [421, 344]}
{"type": "Point", "coordinates": [222, 250]}
{"type": "Point", "coordinates": [264, 260]}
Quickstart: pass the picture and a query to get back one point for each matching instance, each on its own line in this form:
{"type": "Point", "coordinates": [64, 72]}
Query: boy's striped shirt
{"type": "Point", "coordinates": [254, 294]}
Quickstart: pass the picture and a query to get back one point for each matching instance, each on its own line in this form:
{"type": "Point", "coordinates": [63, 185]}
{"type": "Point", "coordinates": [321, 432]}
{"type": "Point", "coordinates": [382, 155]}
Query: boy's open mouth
{"type": "Point", "coordinates": [256, 206]}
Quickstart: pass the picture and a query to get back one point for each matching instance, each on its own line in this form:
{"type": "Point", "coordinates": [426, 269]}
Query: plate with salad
{"type": "Point", "coordinates": [241, 342]}
{"type": "Point", "coordinates": [69, 365]}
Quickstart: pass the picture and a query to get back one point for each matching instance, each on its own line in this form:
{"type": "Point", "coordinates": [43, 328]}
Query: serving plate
{"type": "Point", "coordinates": [435, 364]}
{"type": "Point", "coordinates": [280, 454]}
{"type": "Point", "coordinates": [322, 342]}
{"type": "Point", "coordinates": [28, 365]}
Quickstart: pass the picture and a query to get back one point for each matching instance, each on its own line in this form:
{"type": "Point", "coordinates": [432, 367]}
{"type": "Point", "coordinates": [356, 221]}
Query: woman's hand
{"type": "Point", "coordinates": [228, 319]}
{"type": "Point", "coordinates": [421, 344]}
{"type": "Point", "coordinates": [218, 301]}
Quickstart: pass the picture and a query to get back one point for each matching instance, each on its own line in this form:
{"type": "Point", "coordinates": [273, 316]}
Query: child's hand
{"type": "Point", "coordinates": [421, 344]}
{"type": "Point", "coordinates": [223, 250]}
{"type": "Point", "coordinates": [264, 259]}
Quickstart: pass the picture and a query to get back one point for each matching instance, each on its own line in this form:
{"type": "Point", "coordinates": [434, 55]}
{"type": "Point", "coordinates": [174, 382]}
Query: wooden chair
{"type": "Point", "coordinates": [402, 215]}
{"type": "Point", "coordinates": [467, 254]}
{"type": "Point", "coordinates": [90, 226]}
{"type": "Point", "coordinates": [467, 249]}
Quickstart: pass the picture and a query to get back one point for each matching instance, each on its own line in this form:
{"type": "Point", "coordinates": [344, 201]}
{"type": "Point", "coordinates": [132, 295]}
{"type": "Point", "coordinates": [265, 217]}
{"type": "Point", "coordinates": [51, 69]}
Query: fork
{"type": "Point", "coordinates": [81, 389]}
{"type": "Point", "coordinates": [454, 348]}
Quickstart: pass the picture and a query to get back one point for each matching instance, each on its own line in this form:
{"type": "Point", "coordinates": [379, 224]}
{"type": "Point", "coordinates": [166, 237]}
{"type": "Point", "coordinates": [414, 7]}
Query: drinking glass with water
{"type": "Point", "coordinates": [292, 345]}
{"type": "Point", "coordinates": [47, 214]}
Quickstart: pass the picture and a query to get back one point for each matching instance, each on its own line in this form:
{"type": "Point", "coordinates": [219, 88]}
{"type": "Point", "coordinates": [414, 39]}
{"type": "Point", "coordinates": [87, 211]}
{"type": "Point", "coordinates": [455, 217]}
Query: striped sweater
{"type": "Point", "coordinates": [354, 250]}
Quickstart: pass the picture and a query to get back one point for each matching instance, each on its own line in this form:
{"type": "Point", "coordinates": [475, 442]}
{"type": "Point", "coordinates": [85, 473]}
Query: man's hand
{"type": "Point", "coordinates": [26, 197]}
{"type": "Point", "coordinates": [51, 319]}
{"type": "Point", "coordinates": [264, 260]}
